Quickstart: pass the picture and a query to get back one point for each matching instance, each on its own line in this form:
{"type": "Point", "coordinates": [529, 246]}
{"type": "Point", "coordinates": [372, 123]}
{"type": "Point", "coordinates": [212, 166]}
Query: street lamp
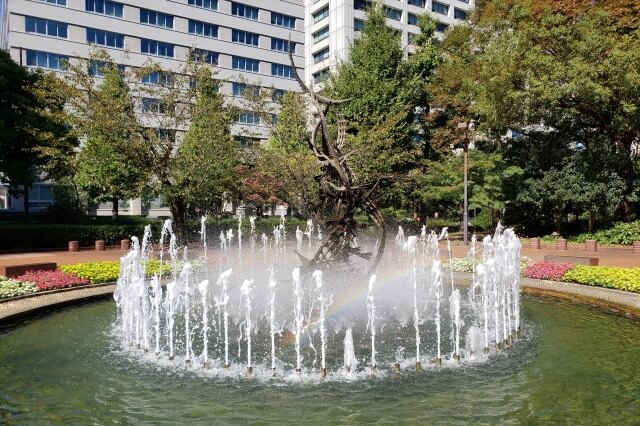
{"type": "Point", "coordinates": [465, 151]}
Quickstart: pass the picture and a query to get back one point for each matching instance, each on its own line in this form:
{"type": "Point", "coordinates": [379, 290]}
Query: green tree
{"type": "Point", "coordinates": [288, 160]}
{"type": "Point", "coordinates": [202, 173]}
{"type": "Point", "coordinates": [107, 119]}
{"type": "Point", "coordinates": [35, 139]}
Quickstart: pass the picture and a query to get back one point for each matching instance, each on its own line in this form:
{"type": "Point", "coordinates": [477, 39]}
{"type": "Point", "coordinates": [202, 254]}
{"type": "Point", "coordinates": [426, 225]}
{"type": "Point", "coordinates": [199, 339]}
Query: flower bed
{"type": "Point", "coordinates": [52, 280]}
{"type": "Point", "coordinates": [602, 276]}
{"type": "Point", "coordinates": [547, 270]}
{"type": "Point", "coordinates": [108, 271]}
{"type": "Point", "coordinates": [12, 288]}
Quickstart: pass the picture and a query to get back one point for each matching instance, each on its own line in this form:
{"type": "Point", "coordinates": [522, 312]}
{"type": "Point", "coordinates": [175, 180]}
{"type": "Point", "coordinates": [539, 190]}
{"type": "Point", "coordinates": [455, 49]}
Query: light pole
{"type": "Point", "coordinates": [465, 152]}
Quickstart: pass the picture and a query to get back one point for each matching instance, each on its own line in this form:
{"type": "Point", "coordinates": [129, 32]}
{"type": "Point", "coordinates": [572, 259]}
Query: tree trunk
{"type": "Point", "coordinates": [558, 215]}
{"type": "Point", "coordinates": [592, 219]}
{"type": "Point", "coordinates": [179, 213]}
{"type": "Point", "coordinates": [114, 208]}
{"type": "Point", "coordinates": [25, 199]}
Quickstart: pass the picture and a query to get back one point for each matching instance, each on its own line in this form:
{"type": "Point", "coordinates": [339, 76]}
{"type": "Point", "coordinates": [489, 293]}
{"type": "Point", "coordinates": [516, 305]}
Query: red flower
{"type": "Point", "coordinates": [50, 280]}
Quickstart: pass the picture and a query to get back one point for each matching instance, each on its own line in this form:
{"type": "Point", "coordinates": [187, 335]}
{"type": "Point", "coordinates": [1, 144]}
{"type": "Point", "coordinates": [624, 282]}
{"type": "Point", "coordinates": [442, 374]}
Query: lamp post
{"type": "Point", "coordinates": [465, 152]}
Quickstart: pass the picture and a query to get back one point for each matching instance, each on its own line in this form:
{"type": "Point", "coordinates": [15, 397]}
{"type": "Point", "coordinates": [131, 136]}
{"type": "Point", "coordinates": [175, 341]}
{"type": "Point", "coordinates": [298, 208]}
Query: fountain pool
{"type": "Point", "coordinates": [570, 363]}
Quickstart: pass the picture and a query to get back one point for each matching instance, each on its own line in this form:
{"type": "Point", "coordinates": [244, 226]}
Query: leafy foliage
{"type": "Point", "coordinates": [108, 271]}
{"type": "Point", "coordinates": [12, 288]}
{"type": "Point", "coordinates": [621, 233]}
{"type": "Point", "coordinates": [602, 276]}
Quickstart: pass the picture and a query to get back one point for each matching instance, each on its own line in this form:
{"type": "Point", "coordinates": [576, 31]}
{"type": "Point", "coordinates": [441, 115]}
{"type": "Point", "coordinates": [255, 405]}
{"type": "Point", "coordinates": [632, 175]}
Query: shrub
{"type": "Point", "coordinates": [620, 233]}
{"type": "Point", "coordinates": [108, 271]}
{"type": "Point", "coordinates": [12, 288]}
{"type": "Point", "coordinates": [51, 280]}
{"type": "Point", "coordinates": [603, 276]}
{"type": "Point", "coordinates": [547, 270]}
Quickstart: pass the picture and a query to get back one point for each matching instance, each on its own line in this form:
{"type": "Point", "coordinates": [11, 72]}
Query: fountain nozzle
{"type": "Point", "coordinates": [418, 366]}
{"type": "Point", "coordinates": [396, 367]}
{"type": "Point", "coordinates": [374, 368]}
{"type": "Point", "coordinates": [171, 357]}
{"type": "Point", "coordinates": [273, 374]}
{"type": "Point", "coordinates": [227, 366]}
{"type": "Point", "coordinates": [299, 370]}
{"type": "Point", "coordinates": [457, 358]}
{"type": "Point", "coordinates": [250, 371]}
{"type": "Point", "coordinates": [205, 365]}
{"type": "Point", "coordinates": [486, 349]}
{"type": "Point", "coordinates": [323, 373]}
{"type": "Point", "coordinates": [439, 362]}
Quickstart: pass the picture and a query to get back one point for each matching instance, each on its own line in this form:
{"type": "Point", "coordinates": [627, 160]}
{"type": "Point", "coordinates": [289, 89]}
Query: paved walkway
{"type": "Point", "coordinates": [608, 256]}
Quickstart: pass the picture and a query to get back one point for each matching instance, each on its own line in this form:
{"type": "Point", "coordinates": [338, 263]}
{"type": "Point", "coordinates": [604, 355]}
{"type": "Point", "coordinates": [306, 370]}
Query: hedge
{"type": "Point", "coordinates": [41, 236]}
{"type": "Point", "coordinates": [621, 233]}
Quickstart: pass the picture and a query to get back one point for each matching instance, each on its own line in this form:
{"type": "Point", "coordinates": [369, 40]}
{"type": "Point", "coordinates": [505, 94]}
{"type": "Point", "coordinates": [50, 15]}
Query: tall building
{"type": "Point", "coordinates": [332, 25]}
{"type": "Point", "coordinates": [246, 40]}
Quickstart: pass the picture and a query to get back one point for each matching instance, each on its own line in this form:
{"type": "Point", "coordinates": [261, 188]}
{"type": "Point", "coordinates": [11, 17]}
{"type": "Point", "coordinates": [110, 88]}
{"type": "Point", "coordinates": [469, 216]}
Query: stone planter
{"type": "Point", "coordinates": [100, 245]}
{"type": "Point", "coordinates": [534, 243]}
{"type": "Point", "coordinates": [561, 244]}
{"type": "Point", "coordinates": [125, 245]}
{"type": "Point", "coordinates": [636, 247]}
{"type": "Point", "coordinates": [74, 246]}
{"type": "Point", "coordinates": [590, 245]}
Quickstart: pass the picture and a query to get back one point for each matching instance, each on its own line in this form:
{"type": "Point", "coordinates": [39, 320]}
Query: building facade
{"type": "Point", "coordinates": [332, 25]}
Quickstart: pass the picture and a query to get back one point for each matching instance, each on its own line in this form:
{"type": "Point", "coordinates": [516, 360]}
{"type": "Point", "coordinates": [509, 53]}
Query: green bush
{"type": "Point", "coordinates": [25, 236]}
{"type": "Point", "coordinates": [12, 288]}
{"type": "Point", "coordinates": [108, 271]}
{"type": "Point", "coordinates": [602, 276]}
{"type": "Point", "coordinates": [621, 233]}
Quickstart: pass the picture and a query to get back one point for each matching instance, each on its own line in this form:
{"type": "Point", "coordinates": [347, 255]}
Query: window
{"type": "Point", "coordinates": [282, 70]}
{"type": "Point", "coordinates": [361, 4]}
{"type": "Point", "coordinates": [277, 94]}
{"type": "Point", "coordinates": [40, 196]}
{"type": "Point", "coordinates": [202, 28]}
{"type": "Point", "coordinates": [441, 27]}
{"type": "Point", "coordinates": [98, 68]}
{"type": "Point", "coordinates": [48, 60]}
{"type": "Point", "coordinates": [459, 14]}
{"type": "Point", "coordinates": [246, 141]}
{"type": "Point", "coordinates": [104, 7]}
{"type": "Point", "coordinates": [244, 11]}
{"type": "Point", "coordinates": [157, 77]}
{"type": "Point", "coordinates": [281, 45]}
{"type": "Point", "coordinates": [321, 55]}
{"type": "Point", "coordinates": [105, 38]}
{"type": "Point", "coordinates": [320, 76]}
{"type": "Point", "coordinates": [206, 56]}
{"type": "Point", "coordinates": [248, 118]}
{"type": "Point", "coordinates": [321, 34]}
{"type": "Point", "coordinates": [153, 105]}
{"type": "Point", "coordinates": [392, 13]}
{"type": "Point", "coordinates": [245, 37]}
{"type": "Point", "coordinates": [58, 2]}
{"type": "Point", "coordinates": [156, 19]}
{"type": "Point", "coordinates": [440, 8]}
{"type": "Point", "coordinates": [45, 26]}
{"type": "Point", "coordinates": [321, 14]}
{"type": "Point", "coordinates": [419, 3]}
{"type": "Point", "coordinates": [358, 24]}
{"type": "Point", "coordinates": [205, 4]}
{"type": "Point", "coordinates": [156, 48]}
{"type": "Point", "coordinates": [239, 89]}
{"type": "Point", "coordinates": [412, 19]}
{"type": "Point", "coordinates": [245, 64]}
{"type": "Point", "coordinates": [282, 20]}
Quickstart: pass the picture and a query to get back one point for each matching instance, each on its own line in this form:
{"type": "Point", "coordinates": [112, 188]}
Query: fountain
{"type": "Point", "coordinates": [251, 313]}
